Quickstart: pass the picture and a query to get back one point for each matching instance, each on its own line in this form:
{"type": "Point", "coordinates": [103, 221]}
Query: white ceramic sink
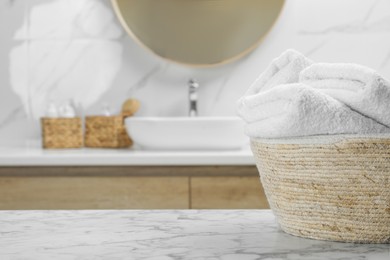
{"type": "Point", "coordinates": [187, 133]}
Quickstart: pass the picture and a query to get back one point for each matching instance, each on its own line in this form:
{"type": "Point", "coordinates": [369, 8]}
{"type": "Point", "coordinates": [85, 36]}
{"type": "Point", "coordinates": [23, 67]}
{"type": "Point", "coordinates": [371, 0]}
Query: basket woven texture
{"type": "Point", "coordinates": [336, 191]}
{"type": "Point", "coordinates": [106, 132]}
{"type": "Point", "coordinates": [60, 133]}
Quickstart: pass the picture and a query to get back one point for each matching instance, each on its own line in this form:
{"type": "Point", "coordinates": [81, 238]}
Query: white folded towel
{"type": "Point", "coordinates": [359, 87]}
{"type": "Point", "coordinates": [292, 110]}
{"type": "Point", "coordinates": [282, 70]}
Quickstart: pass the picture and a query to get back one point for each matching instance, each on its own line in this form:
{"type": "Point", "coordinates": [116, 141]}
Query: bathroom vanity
{"type": "Point", "coordinates": [32, 178]}
{"type": "Point", "coordinates": [164, 234]}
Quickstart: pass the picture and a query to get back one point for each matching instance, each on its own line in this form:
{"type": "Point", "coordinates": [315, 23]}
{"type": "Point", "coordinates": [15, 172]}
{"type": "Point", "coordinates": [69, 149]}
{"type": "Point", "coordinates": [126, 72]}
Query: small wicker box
{"type": "Point", "coordinates": [328, 187]}
{"type": "Point", "coordinates": [106, 132]}
{"type": "Point", "coordinates": [60, 133]}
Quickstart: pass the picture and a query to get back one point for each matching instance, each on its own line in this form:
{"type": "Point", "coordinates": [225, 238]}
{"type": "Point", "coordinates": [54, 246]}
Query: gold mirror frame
{"type": "Point", "coordinates": [197, 57]}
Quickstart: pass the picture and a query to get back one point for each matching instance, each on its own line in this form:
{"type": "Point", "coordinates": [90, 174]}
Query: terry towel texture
{"type": "Point", "coordinates": [282, 70]}
{"type": "Point", "coordinates": [294, 97]}
{"type": "Point", "coordinates": [359, 87]}
{"type": "Point", "coordinates": [298, 110]}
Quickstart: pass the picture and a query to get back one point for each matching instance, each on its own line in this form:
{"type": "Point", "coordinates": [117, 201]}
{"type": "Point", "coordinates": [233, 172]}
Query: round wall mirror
{"type": "Point", "coordinates": [198, 32]}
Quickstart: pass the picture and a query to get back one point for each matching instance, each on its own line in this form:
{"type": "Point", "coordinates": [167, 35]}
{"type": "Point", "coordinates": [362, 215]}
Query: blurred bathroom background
{"type": "Point", "coordinates": [56, 50]}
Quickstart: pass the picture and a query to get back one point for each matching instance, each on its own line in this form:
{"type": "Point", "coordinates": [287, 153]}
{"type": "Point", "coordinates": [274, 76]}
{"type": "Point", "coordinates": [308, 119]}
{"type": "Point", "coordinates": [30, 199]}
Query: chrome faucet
{"type": "Point", "coordinates": [193, 97]}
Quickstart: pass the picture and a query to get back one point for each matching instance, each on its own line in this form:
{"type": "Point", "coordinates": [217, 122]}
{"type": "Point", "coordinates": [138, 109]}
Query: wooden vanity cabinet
{"type": "Point", "coordinates": [131, 187]}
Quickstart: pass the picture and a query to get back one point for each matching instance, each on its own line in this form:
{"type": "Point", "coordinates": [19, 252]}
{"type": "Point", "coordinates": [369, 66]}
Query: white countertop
{"type": "Point", "coordinates": [164, 234]}
{"type": "Point", "coordinates": [34, 155]}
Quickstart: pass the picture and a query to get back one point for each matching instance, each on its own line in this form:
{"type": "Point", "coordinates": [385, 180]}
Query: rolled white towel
{"type": "Point", "coordinates": [359, 87]}
{"type": "Point", "coordinates": [282, 70]}
{"type": "Point", "coordinates": [293, 110]}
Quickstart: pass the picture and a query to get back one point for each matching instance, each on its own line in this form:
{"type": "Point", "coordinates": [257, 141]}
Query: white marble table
{"type": "Point", "coordinates": [183, 234]}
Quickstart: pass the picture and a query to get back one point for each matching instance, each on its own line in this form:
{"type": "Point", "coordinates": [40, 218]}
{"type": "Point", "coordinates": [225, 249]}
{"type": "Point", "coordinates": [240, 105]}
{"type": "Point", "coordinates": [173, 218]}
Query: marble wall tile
{"type": "Point", "coordinates": [13, 117]}
{"type": "Point", "coordinates": [71, 19]}
{"type": "Point", "coordinates": [76, 49]}
{"type": "Point", "coordinates": [82, 70]}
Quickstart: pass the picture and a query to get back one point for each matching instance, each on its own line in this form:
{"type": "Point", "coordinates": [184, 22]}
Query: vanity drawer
{"type": "Point", "coordinates": [131, 187]}
{"type": "Point", "coordinates": [93, 192]}
{"type": "Point", "coordinates": [229, 192]}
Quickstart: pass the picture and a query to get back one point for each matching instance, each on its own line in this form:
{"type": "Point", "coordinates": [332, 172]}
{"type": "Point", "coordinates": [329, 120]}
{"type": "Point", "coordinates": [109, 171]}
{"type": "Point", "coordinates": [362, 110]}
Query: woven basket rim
{"type": "Point", "coordinates": [61, 118]}
{"type": "Point", "coordinates": [102, 116]}
{"type": "Point", "coordinates": [324, 139]}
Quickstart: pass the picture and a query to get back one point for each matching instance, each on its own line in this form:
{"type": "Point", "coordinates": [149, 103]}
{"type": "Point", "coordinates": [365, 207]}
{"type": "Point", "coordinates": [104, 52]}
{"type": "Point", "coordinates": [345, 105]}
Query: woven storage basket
{"type": "Point", "coordinates": [106, 132]}
{"type": "Point", "coordinates": [328, 187]}
{"type": "Point", "coordinates": [61, 133]}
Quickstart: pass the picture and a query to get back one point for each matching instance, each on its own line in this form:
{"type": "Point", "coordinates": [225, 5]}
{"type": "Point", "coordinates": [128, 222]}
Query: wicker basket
{"type": "Point", "coordinates": [60, 133]}
{"type": "Point", "coordinates": [106, 132]}
{"type": "Point", "coordinates": [328, 187]}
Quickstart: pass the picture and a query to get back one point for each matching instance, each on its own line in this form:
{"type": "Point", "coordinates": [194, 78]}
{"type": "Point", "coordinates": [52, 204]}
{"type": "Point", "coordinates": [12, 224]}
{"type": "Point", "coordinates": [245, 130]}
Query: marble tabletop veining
{"type": "Point", "coordinates": [164, 234]}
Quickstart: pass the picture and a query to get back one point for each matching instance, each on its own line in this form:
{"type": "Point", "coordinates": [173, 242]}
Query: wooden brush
{"type": "Point", "coordinates": [130, 107]}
